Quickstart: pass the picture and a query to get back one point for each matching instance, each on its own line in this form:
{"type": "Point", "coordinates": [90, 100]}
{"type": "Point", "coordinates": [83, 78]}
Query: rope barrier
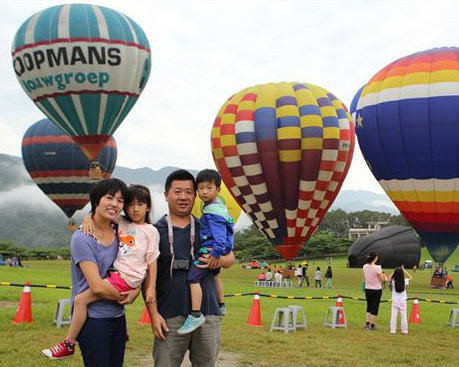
{"type": "Point", "coordinates": [335, 297]}
{"type": "Point", "coordinates": [53, 286]}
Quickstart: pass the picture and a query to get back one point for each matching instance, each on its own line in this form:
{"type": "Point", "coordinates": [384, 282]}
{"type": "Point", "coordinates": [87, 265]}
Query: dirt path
{"type": "Point", "coordinates": [225, 359]}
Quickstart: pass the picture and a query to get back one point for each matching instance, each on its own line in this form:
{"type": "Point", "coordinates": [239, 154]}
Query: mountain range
{"type": "Point", "coordinates": [29, 218]}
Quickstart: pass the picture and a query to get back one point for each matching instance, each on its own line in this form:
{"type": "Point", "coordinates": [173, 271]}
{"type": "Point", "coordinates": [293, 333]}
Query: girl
{"type": "Point", "coordinates": [398, 284]}
{"type": "Point", "coordinates": [138, 249]}
{"type": "Point", "coordinates": [329, 276]}
{"type": "Point", "coordinates": [318, 277]}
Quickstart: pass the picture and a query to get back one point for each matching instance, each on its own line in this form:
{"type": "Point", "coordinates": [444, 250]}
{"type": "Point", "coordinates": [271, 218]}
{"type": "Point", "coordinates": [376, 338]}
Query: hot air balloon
{"type": "Point", "coordinates": [84, 66]}
{"type": "Point", "coordinates": [58, 166]}
{"type": "Point", "coordinates": [228, 199]}
{"type": "Point", "coordinates": [284, 150]}
{"type": "Point", "coordinates": [407, 124]}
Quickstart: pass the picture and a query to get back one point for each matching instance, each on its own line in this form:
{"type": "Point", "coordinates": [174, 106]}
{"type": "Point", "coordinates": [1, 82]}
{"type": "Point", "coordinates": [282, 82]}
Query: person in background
{"type": "Point", "coordinates": [304, 269]}
{"type": "Point", "coordinates": [269, 275]}
{"type": "Point", "coordinates": [299, 275]}
{"type": "Point", "coordinates": [318, 278]}
{"type": "Point", "coordinates": [262, 277]}
{"type": "Point", "coordinates": [278, 278]}
{"type": "Point", "coordinates": [329, 276]}
{"type": "Point", "coordinates": [374, 276]}
{"type": "Point", "coordinates": [397, 282]}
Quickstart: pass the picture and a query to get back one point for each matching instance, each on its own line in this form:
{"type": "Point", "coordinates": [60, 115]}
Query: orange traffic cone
{"type": "Point", "coordinates": [341, 317]}
{"type": "Point", "coordinates": [415, 317]}
{"type": "Point", "coordinates": [255, 312]}
{"type": "Point", "coordinates": [145, 317]}
{"type": "Point", "coordinates": [24, 311]}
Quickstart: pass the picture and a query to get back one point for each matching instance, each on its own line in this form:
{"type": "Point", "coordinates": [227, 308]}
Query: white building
{"type": "Point", "coordinates": [356, 233]}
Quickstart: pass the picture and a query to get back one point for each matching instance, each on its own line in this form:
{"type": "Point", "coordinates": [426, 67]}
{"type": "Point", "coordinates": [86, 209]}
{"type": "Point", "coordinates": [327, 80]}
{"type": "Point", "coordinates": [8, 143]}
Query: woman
{"type": "Point", "coordinates": [374, 276]}
{"type": "Point", "coordinates": [103, 337]}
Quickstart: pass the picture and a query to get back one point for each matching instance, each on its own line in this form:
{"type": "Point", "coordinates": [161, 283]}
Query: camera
{"type": "Point", "coordinates": [181, 264]}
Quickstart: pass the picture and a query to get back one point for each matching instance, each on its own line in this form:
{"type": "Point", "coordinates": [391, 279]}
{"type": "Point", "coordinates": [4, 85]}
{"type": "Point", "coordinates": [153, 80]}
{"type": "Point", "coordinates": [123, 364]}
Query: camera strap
{"type": "Point", "coordinates": [170, 232]}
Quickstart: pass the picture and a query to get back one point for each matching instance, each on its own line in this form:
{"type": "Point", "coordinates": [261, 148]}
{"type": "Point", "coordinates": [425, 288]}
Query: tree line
{"type": "Point", "coordinates": [329, 238]}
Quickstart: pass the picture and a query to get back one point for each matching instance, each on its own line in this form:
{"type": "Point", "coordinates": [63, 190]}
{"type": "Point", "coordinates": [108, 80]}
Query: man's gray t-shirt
{"type": "Point", "coordinates": [86, 248]}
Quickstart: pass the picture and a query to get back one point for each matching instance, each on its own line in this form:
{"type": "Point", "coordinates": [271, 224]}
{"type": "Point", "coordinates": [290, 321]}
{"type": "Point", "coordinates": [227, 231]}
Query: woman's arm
{"type": "Point", "coordinates": [382, 277]}
{"type": "Point", "coordinates": [98, 286]}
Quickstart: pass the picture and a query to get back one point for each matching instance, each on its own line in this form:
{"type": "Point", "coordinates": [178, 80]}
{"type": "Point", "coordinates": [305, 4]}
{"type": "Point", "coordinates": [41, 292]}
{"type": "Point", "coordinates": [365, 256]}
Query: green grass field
{"type": "Point", "coordinates": [432, 343]}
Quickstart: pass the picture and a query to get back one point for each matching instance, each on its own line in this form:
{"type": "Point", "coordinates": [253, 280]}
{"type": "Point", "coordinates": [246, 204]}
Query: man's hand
{"type": "Point", "coordinates": [210, 262]}
{"type": "Point", "coordinates": [159, 326]}
{"type": "Point", "coordinates": [130, 296]}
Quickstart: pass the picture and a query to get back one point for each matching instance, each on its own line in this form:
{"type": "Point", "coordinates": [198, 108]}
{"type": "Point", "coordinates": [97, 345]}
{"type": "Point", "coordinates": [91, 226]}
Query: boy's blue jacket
{"type": "Point", "coordinates": [217, 228]}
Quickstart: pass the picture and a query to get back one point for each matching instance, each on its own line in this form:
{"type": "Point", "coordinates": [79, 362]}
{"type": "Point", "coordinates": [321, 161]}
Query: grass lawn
{"type": "Point", "coordinates": [432, 343]}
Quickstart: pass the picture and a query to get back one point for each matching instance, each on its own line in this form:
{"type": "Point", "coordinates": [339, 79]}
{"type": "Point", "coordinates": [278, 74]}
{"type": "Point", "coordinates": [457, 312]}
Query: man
{"type": "Point", "coordinates": [172, 291]}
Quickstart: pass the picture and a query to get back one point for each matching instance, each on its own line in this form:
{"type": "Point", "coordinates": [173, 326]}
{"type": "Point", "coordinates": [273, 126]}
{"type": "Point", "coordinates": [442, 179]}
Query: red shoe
{"type": "Point", "coordinates": [61, 350]}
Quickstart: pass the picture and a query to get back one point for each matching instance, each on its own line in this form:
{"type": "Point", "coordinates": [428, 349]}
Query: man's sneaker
{"type": "Point", "coordinates": [61, 350]}
{"type": "Point", "coordinates": [222, 310]}
{"type": "Point", "coordinates": [191, 324]}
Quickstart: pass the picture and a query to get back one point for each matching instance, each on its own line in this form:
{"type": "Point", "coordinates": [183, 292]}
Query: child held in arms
{"type": "Point", "coordinates": [216, 235]}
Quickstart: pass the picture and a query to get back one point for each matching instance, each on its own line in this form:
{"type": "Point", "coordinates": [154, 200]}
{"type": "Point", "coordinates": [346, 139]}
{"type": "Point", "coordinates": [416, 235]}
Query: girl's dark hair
{"type": "Point", "coordinates": [209, 175]}
{"type": "Point", "coordinates": [371, 256]}
{"type": "Point", "coordinates": [142, 195]}
{"type": "Point", "coordinates": [109, 186]}
{"type": "Point", "coordinates": [399, 280]}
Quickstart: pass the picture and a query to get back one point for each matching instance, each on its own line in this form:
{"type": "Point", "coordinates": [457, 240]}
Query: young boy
{"type": "Point", "coordinates": [216, 234]}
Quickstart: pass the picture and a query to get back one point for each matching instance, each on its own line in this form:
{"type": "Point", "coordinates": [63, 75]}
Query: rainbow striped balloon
{"type": "Point", "coordinates": [284, 150]}
{"type": "Point", "coordinates": [407, 124]}
{"type": "Point", "coordinates": [84, 66]}
{"type": "Point", "coordinates": [58, 166]}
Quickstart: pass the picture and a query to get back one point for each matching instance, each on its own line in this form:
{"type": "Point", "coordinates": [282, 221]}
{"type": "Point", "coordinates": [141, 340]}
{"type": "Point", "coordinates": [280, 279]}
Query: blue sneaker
{"type": "Point", "coordinates": [191, 324]}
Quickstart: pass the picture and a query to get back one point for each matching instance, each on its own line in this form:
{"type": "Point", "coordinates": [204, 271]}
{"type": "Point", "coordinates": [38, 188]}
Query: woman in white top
{"type": "Point", "coordinates": [398, 281]}
{"type": "Point", "coordinates": [374, 276]}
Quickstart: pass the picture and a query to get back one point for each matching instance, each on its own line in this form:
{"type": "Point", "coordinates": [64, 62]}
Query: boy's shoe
{"type": "Point", "coordinates": [191, 324]}
{"type": "Point", "coordinates": [61, 350]}
{"type": "Point", "coordinates": [222, 310]}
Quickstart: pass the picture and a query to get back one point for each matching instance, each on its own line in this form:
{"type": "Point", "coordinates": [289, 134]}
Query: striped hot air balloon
{"type": "Point", "coordinates": [407, 124]}
{"type": "Point", "coordinates": [84, 66]}
{"type": "Point", "coordinates": [284, 150]}
{"type": "Point", "coordinates": [58, 166]}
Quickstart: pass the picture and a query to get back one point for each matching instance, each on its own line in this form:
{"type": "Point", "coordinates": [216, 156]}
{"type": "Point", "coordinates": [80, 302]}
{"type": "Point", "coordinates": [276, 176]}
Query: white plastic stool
{"type": "Point", "coordinates": [297, 323]}
{"type": "Point", "coordinates": [59, 317]}
{"type": "Point", "coordinates": [282, 320]}
{"type": "Point", "coordinates": [454, 317]}
{"type": "Point", "coordinates": [334, 312]}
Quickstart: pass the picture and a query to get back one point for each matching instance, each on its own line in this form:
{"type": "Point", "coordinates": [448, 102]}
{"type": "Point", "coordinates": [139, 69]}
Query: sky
{"type": "Point", "coordinates": [205, 51]}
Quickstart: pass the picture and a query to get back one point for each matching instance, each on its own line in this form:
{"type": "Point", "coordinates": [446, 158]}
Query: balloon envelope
{"type": "Point", "coordinates": [283, 150]}
{"type": "Point", "coordinates": [84, 66]}
{"type": "Point", "coordinates": [230, 202]}
{"type": "Point", "coordinates": [58, 166]}
{"type": "Point", "coordinates": [407, 124]}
